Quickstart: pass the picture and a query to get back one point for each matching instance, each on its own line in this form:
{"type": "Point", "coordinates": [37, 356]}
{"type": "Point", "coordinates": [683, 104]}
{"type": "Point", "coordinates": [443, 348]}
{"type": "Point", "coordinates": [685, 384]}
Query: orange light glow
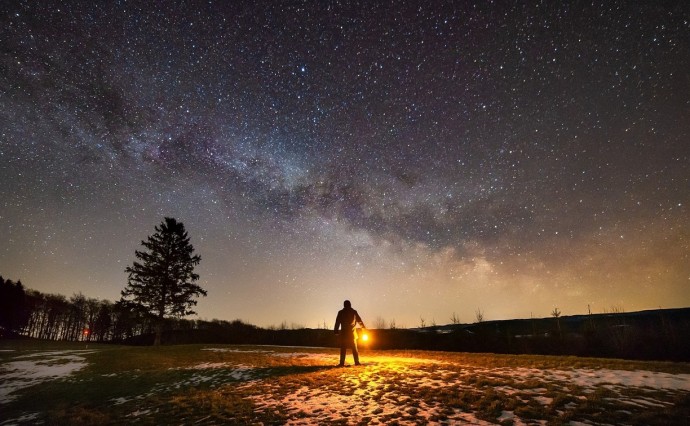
{"type": "Point", "coordinates": [365, 337]}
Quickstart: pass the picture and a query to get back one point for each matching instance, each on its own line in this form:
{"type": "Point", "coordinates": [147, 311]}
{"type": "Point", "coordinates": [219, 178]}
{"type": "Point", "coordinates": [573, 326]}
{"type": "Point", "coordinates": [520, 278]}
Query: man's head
{"type": "Point", "coordinates": [347, 304]}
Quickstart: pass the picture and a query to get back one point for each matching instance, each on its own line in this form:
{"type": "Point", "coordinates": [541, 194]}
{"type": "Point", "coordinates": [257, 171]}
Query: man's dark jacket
{"type": "Point", "coordinates": [348, 318]}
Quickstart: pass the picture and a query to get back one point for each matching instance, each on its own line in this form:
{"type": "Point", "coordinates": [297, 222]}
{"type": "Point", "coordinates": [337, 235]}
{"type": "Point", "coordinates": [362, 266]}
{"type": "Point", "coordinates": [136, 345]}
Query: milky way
{"type": "Point", "coordinates": [419, 158]}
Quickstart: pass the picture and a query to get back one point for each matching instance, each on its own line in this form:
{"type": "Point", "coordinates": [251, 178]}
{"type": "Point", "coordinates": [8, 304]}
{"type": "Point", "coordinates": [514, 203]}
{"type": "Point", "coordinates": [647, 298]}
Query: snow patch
{"type": "Point", "coordinates": [35, 368]}
{"type": "Point", "coordinates": [637, 378]}
{"type": "Point", "coordinates": [26, 418]}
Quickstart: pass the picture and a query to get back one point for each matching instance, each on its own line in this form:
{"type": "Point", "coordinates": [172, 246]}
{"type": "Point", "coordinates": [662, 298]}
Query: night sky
{"type": "Point", "coordinates": [419, 158]}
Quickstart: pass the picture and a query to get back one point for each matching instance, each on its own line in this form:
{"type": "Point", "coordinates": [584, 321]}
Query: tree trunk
{"type": "Point", "coordinates": [159, 331]}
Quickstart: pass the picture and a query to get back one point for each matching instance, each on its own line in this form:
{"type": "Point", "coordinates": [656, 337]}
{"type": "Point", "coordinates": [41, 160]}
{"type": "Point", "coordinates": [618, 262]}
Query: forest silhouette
{"type": "Point", "coordinates": [651, 335]}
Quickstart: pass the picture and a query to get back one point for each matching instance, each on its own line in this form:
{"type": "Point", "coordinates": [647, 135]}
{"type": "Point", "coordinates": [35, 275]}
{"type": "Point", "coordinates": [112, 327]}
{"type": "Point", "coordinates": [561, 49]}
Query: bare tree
{"type": "Point", "coordinates": [422, 322]}
{"type": "Point", "coordinates": [617, 309]}
{"type": "Point", "coordinates": [534, 328]}
{"type": "Point", "coordinates": [479, 315]}
{"type": "Point", "coordinates": [556, 313]}
{"type": "Point", "coordinates": [454, 319]}
{"type": "Point", "coordinates": [391, 324]}
{"type": "Point", "coordinates": [379, 323]}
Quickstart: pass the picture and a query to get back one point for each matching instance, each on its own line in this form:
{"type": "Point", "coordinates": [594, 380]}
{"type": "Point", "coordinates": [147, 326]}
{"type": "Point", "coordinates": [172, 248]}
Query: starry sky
{"type": "Point", "coordinates": [419, 158]}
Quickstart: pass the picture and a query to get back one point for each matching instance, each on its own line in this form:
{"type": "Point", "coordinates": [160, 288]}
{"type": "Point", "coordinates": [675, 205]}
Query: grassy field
{"type": "Point", "coordinates": [61, 383]}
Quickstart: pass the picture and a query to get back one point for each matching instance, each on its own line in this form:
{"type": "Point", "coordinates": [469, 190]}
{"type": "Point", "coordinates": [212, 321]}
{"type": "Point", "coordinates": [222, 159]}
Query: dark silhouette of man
{"type": "Point", "coordinates": [347, 321]}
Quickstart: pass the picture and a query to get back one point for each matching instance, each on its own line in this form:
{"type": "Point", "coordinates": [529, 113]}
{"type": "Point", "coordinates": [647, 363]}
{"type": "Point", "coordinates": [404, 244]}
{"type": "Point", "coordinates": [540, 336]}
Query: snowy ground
{"type": "Point", "coordinates": [303, 387]}
{"type": "Point", "coordinates": [397, 389]}
{"type": "Point", "coordinates": [27, 370]}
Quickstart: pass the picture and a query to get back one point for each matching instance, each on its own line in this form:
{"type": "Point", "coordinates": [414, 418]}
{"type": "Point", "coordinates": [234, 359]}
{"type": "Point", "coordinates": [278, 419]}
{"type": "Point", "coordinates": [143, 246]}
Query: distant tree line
{"type": "Point", "coordinates": [38, 315]}
{"type": "Point", "coordinates": [658, 334]}
{"type": "Point", "coordinates": [55, 317]}
{"type": "Point", "coordinates": [31, 313]}
{"type": "Point", "coordinates": [648, 335]}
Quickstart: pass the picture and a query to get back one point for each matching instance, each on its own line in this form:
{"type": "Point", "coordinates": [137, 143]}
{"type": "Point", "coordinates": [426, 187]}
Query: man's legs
{"type": "Point", "coordinates": [350, 342]}
{"type": "Point", "coordinates": [355, 352]}
{"type": "Point", "coordinates": [343, 351]}
{"type": "Point", "coordinates": [344, 344]}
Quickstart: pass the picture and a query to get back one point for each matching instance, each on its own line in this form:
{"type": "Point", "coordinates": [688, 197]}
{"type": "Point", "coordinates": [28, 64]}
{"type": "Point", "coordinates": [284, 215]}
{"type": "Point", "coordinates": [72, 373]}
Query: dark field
{"type": "Point", "coordinates": [53, 383]}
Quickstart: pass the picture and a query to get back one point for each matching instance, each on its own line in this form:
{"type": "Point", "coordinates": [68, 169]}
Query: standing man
{"type": "Point", "coordinates": [347, 321]}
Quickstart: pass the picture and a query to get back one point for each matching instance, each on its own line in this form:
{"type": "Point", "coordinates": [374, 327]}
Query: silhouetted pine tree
{"type": "Point", "coordinates": [162, 284]}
